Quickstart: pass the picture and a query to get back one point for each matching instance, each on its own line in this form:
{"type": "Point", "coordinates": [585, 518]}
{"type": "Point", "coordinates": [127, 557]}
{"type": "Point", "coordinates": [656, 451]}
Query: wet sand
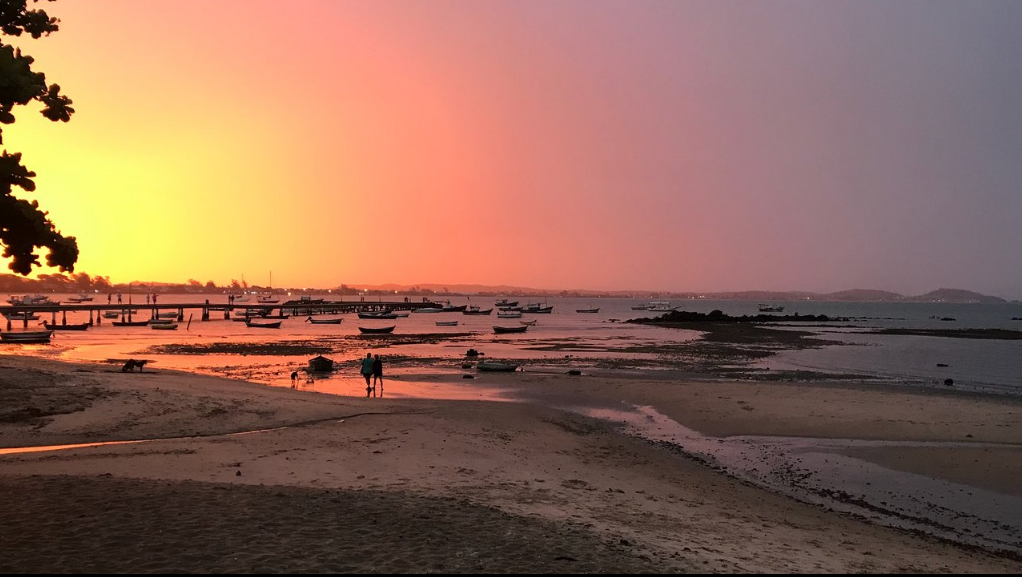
{"type": "Point", "coordinates": [510, 478]}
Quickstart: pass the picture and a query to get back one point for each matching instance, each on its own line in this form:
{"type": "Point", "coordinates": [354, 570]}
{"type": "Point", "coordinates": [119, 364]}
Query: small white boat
{"type": "Point", "coordinates": [770, 309]}
{"type": "Point", "coordinates": [400, 314]}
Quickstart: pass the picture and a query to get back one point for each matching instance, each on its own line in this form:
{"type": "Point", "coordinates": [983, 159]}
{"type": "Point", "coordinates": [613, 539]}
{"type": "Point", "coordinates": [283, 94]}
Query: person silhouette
{"type": "Point", "coordinates": [367, 372]}
{"type": "Point", "coordinates": [378, 373]}
{"type": "Point", "coordinates": [294, 380]}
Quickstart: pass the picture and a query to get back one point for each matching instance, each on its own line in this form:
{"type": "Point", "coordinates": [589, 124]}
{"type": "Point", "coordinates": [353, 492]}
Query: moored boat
{"type": "Point", "coordinates": [476, 311]}
{"type": "Point", "coordinates": [74, 327]}
{"type": "Point", "coordinates": [528, 323]}
{"type": "Point", "coordinates": [447, 323]}
{"type": "Point", "coordinates": [428, 310]}
{"type": "Point", "coordinates": [22, 316]}
{"type": "Point", "coordinates": [323, 321]}
{"type": "Point", "coordinates": [509, 314]}
{"type": "Point", "coordinates": [507, 330]}
{"type": "Point", "coordinates": [253, 325]}
{"type": "Point", "coordinates": [376, 331]}
{"type": "Point", "coordinates": [589, 310]}
{"type": "Point", "coordinates": [26, 337]}
{"type": "Point", "coordinates": [130, 323]}
{"type": "Point", "coordinates": [537, 308]}
{"type": "Point", "coordinates": [379, 315]}
{"type": "Point", "coordinates": [770, 309]}
{"type": "Point", "coordinates": [164, 326]}
{"type": "Point", "coordinates": [505, 304]}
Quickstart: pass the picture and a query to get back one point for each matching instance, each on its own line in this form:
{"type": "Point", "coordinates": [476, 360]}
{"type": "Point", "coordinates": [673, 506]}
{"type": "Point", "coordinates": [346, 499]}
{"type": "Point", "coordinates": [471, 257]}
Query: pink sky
{"type": "Point", "coordinates": [606, 145]}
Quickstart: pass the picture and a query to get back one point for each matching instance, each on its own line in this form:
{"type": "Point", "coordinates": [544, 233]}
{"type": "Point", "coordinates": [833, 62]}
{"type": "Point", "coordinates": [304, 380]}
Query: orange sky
{"type": "Point", "coordinates": [666, 146]}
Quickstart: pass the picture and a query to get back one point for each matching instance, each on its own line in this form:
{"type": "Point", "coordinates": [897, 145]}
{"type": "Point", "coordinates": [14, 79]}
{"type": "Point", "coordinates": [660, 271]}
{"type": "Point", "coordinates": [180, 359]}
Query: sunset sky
{"type": "Point", "coordinates": [572, 144]}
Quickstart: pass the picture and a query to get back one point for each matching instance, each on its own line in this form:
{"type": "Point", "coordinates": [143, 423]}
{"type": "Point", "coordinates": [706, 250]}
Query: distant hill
{"type": "Point", "coordinates": [863, 295]}
{"type": "Point", "coordinates": [946, 295]}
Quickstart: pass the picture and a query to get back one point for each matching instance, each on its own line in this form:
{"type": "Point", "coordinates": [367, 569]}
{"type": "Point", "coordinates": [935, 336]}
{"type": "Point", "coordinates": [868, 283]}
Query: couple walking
{"type": "Point", "coordinates": [372, 369]}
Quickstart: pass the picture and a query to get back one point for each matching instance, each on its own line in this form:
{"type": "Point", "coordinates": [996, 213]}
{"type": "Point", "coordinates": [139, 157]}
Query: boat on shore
{"type": "Point", "coordinates": [164, 326]}
{"type": "Point", "coordinates": [74, 327]}
{"type": "Point", "coordinates": [26, 337]}
{"type": "Point", "coordinates": [376, 331]}
{"type": "Point", "coordinates": [509, 314]}
{"type": "Point", "coordinates": [528, 323]}
{"type": "Point", "coordinates": [496, 367]}
{"type": "Point", "coordinates": [447, 323]}
{"type": "Point", "coordinates": [509, 330]}
{"type": "Point", "coordinates": [770, 308]}
{"type": "Point", "coordinates": [321, 364]}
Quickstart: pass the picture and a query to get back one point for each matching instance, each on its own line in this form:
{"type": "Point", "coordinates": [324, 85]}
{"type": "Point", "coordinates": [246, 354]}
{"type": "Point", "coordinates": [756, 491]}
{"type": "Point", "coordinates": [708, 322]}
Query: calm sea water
{"type": "Point", "coordinates": [985, 364]}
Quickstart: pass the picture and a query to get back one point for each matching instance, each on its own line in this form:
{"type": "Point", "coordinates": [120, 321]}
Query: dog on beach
{"type": "Point", "coordinates": [131, 364]}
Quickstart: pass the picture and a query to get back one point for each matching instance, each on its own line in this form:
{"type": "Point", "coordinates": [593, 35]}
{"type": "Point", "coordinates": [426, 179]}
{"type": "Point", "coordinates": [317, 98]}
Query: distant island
{"type": "Point", "coordinates": [81, 282]}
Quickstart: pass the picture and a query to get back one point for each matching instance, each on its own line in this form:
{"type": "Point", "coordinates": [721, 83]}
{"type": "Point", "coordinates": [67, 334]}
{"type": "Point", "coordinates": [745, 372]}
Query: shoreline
{"type": "Point", "coordinates": [528, 459]}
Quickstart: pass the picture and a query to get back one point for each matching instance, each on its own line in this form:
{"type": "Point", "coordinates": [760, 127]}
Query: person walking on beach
{"type": "Point", "coordinates": [118, 298]}
{"type": "Point", "coordinates": [294, 380]}
{"type": "Point", "coordinates": [109, 298]}
{"type": "Point", "coordinates": [367, 372]}
{"type": "Point", "coordinates": [378, 374]}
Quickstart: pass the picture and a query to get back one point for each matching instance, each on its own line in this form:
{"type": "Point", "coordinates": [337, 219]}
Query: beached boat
{"type": "Point", "coordinates": [496, 367]}
{"type": "Point", "coordinates": [589, 310]}
{"type": "Point", "coordinates": [508, 330]}
{"type": "Point", "coordinates": [164, 326]}
{"type": "Point", "coordinates": [75, 327]}
{"type": "Point", "coordinates": [473, 310]}
{"type": "Point", "coordinates": [254, 325]}
{"type": "Point", "coordinates": [321, 364]}
{"type": "Point", "coordinates": [323, 321]}
{"type": "Point", "coordinates": [376, 331]}
{"type": "Point", "coordinates": [428, 310]}
{"type": "Point", "coordinates": [447, 323]}
{"type": "Point", "coordinates": [26, 337]}
{"type": "Point", "coordinates": [770, 309]}
{"type": "Point", "coordinates": [528, 323]}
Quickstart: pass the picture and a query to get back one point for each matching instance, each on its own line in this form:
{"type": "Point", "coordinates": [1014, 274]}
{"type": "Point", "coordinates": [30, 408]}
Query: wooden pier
{"type": "Point", "coordinates": [205, 309]}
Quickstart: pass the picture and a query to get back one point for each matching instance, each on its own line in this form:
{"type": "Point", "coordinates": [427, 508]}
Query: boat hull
{"type": "Point", "coordinates": [376, 331]}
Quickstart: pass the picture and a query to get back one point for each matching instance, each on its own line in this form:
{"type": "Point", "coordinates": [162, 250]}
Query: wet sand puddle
{"type": "Point", "coordinates": [814, 470]}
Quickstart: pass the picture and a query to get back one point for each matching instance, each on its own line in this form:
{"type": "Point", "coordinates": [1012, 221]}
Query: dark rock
{"type": "Point", "coordinates": [575, 372]}
{"type": "Point", "coordinates": [949, 382]}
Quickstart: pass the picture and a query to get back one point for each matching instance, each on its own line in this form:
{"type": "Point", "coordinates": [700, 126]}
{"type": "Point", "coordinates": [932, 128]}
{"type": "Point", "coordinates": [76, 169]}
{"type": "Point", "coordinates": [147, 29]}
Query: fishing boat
{"type": "Point", "coordinates": [770, 309]}
{"type": "Point", "coordinates": [164, 326]}
{"type": "Point", "coordinates": [323, 321]}
{"type": "Point", "coordinates": [589, 310]}
{"type": "Point", "coordinates": [380, 315]}
{"type": "Point", "coordinates": [240, 299]}
{"type": "Point", "coordinates": [26, 337]}
{"type": "Point", "coordinates": [454, 309]}
{"type": "Point", "coordinates": [505, 304]}
{"type": "Point", "coordinates": [130, 323]}
{"type": "Point", "coordinates": [22, 316]}
{"type": "Point", "coordinates": [253, 325]}
{"type": "Point", "coordinates": [509, 314]}
{"type": "Point", "coordinates": [528, 323]}
{"type": "Point", "coordinates": [474, 310]}
{"type": "Point", "coordinates": [321, 364]}
{"type": "Point", "coordinates": [447, 323]}
{"type": "Point", "coordinates": [428, 310]}
{"type": "Point", "coordinates": [640, 307]}
{"type": "Point", "coordinates": [376, 331]}
{"type": "Point", "coordinates": [31, 300]}
{"type": "Point", "coordinates": [508, 330]}
{"type": "Point", "coordinates": [538, 309]}
{"type": "Point", "coordinates": [269, 298]}
{"type": "Point", "coordinates": [496, 367]}
{"type": "Point", "coordinates": [75, 327]}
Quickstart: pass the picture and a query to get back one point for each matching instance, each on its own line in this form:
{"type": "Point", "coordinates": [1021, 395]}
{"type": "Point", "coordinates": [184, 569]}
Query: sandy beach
{"type": "Point", "coordinates": [332, 483]}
